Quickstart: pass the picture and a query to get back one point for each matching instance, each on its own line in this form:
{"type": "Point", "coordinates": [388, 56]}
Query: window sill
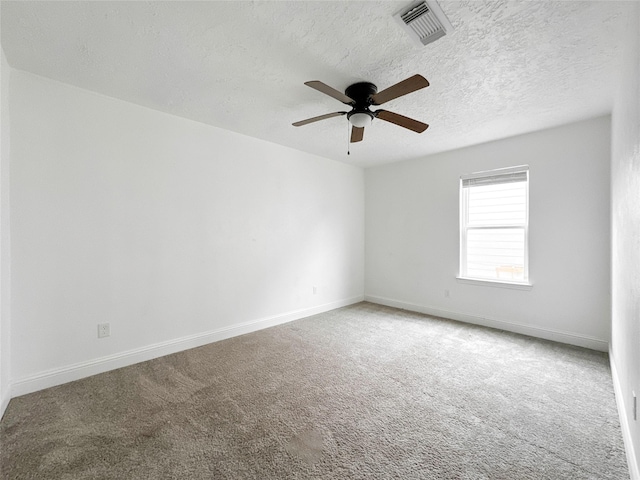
{"type": "Point", "coordinates": [495, 283]}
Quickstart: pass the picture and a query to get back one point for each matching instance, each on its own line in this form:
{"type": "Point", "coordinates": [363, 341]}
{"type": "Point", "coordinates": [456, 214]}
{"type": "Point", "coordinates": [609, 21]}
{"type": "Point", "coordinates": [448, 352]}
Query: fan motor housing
{"type": "Point", "coordinates": [361, 93]}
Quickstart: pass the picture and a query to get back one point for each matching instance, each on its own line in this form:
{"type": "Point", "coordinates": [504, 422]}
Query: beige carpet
{"type": "Point", "coordinates": [360, 392]}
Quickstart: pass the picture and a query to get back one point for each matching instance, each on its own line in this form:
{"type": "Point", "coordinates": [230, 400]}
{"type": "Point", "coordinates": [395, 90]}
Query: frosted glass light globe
{"type": "Point", "coordinates": [360, 120]}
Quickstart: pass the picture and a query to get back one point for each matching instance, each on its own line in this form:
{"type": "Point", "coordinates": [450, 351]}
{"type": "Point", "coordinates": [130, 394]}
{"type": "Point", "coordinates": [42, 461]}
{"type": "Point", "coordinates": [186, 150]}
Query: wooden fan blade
{"type": "Point", "coordinates": [332, 92]}
{"type": "Point", "coordinates": [357, 134]}
{"type": "Point", "coordinates": [409, 85]}
{"type": "Point", "coordinates": [401, 120]}
{"type": "Point", "coordinates": [317, 119]}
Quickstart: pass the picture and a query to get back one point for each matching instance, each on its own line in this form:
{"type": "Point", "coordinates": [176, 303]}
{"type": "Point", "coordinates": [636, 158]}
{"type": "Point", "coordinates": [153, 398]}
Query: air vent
{"type": "Point", "coordinates": [424, 21]}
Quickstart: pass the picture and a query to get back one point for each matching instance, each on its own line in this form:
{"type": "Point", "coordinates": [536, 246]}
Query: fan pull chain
{"type": "Point", "coordinates": [348, 143]}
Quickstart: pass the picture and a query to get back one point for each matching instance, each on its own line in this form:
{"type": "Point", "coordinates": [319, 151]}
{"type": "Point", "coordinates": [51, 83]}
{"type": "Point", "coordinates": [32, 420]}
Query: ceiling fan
{"type": "Point", "coordinates": [360, 96]}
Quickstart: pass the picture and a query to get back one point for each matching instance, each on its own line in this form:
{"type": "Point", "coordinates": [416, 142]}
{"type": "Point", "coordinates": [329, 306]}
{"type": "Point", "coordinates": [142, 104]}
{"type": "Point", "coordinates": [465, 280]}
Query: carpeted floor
{"type": "Point", "coordinates": [360, 392]}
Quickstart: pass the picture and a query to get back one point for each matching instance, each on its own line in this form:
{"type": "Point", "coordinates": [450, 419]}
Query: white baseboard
{"type": "Point", "coordinates": [4, 401]}
{"type": "Point", "coordinates": [58, 376]}
{"type": "Point", "coordinates": [548, 334]}
{"type": "Point", "coordinates": [632, 461]}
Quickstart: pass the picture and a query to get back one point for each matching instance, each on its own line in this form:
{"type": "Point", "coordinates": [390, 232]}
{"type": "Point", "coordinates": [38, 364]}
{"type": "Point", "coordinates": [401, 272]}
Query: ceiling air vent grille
{"type": "Point", "coordinates": [414, 13]}
{"type": "Point", "coordinates": [424, 21]}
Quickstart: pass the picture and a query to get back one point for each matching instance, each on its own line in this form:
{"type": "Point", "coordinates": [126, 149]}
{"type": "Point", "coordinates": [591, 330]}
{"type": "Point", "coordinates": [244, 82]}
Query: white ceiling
{"type": "Point", "coordinates": [509, 67]}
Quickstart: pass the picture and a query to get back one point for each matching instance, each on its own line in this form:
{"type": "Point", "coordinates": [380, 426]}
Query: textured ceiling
{"type": "Point", "coordinates": [508, 67]}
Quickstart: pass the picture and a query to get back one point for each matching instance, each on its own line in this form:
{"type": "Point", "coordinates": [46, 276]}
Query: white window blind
{"type": "Point", "coordinates": [494, 225]}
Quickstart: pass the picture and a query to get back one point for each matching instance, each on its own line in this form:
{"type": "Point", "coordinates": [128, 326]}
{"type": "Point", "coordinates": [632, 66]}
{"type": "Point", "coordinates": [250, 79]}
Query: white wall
{"type": "Point", "coordinates": [5, 264]}
{"type": "Point", "coordinates": [412, 235]}
{"type": "Point", "coordinates": [625, 232]}
{"type": "Point", "coordinates": [175, 232]}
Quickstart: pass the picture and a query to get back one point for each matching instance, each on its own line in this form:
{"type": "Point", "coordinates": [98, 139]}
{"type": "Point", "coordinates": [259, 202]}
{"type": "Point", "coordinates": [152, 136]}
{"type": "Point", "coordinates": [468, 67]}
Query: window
{"type": "Point", "coordinates": [494, 218]}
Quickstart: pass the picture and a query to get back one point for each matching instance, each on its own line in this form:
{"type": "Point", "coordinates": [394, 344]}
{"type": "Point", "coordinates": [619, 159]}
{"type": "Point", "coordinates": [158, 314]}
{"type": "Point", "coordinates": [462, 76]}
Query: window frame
{"type": "Point", "coordinates": [463, 276]}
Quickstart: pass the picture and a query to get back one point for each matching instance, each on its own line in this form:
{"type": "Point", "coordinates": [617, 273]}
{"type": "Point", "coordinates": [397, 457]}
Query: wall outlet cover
{"type": "Point", "coordinates": [104, 330]}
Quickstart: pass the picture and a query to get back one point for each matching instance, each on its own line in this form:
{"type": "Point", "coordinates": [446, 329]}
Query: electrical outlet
{"type": "Point", "coordinates": [104, 330]}
{"type": "Point", "coordinates": [635, 406]}
{"type": "Point", "coordinates": [315, 290]}
{"type": "Point", "coordinates": [446, 293]}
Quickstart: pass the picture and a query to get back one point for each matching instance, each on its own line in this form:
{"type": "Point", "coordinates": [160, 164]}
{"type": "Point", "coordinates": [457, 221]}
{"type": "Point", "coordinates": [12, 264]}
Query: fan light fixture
{"type": "Point", "coordinates": [360, 119]}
